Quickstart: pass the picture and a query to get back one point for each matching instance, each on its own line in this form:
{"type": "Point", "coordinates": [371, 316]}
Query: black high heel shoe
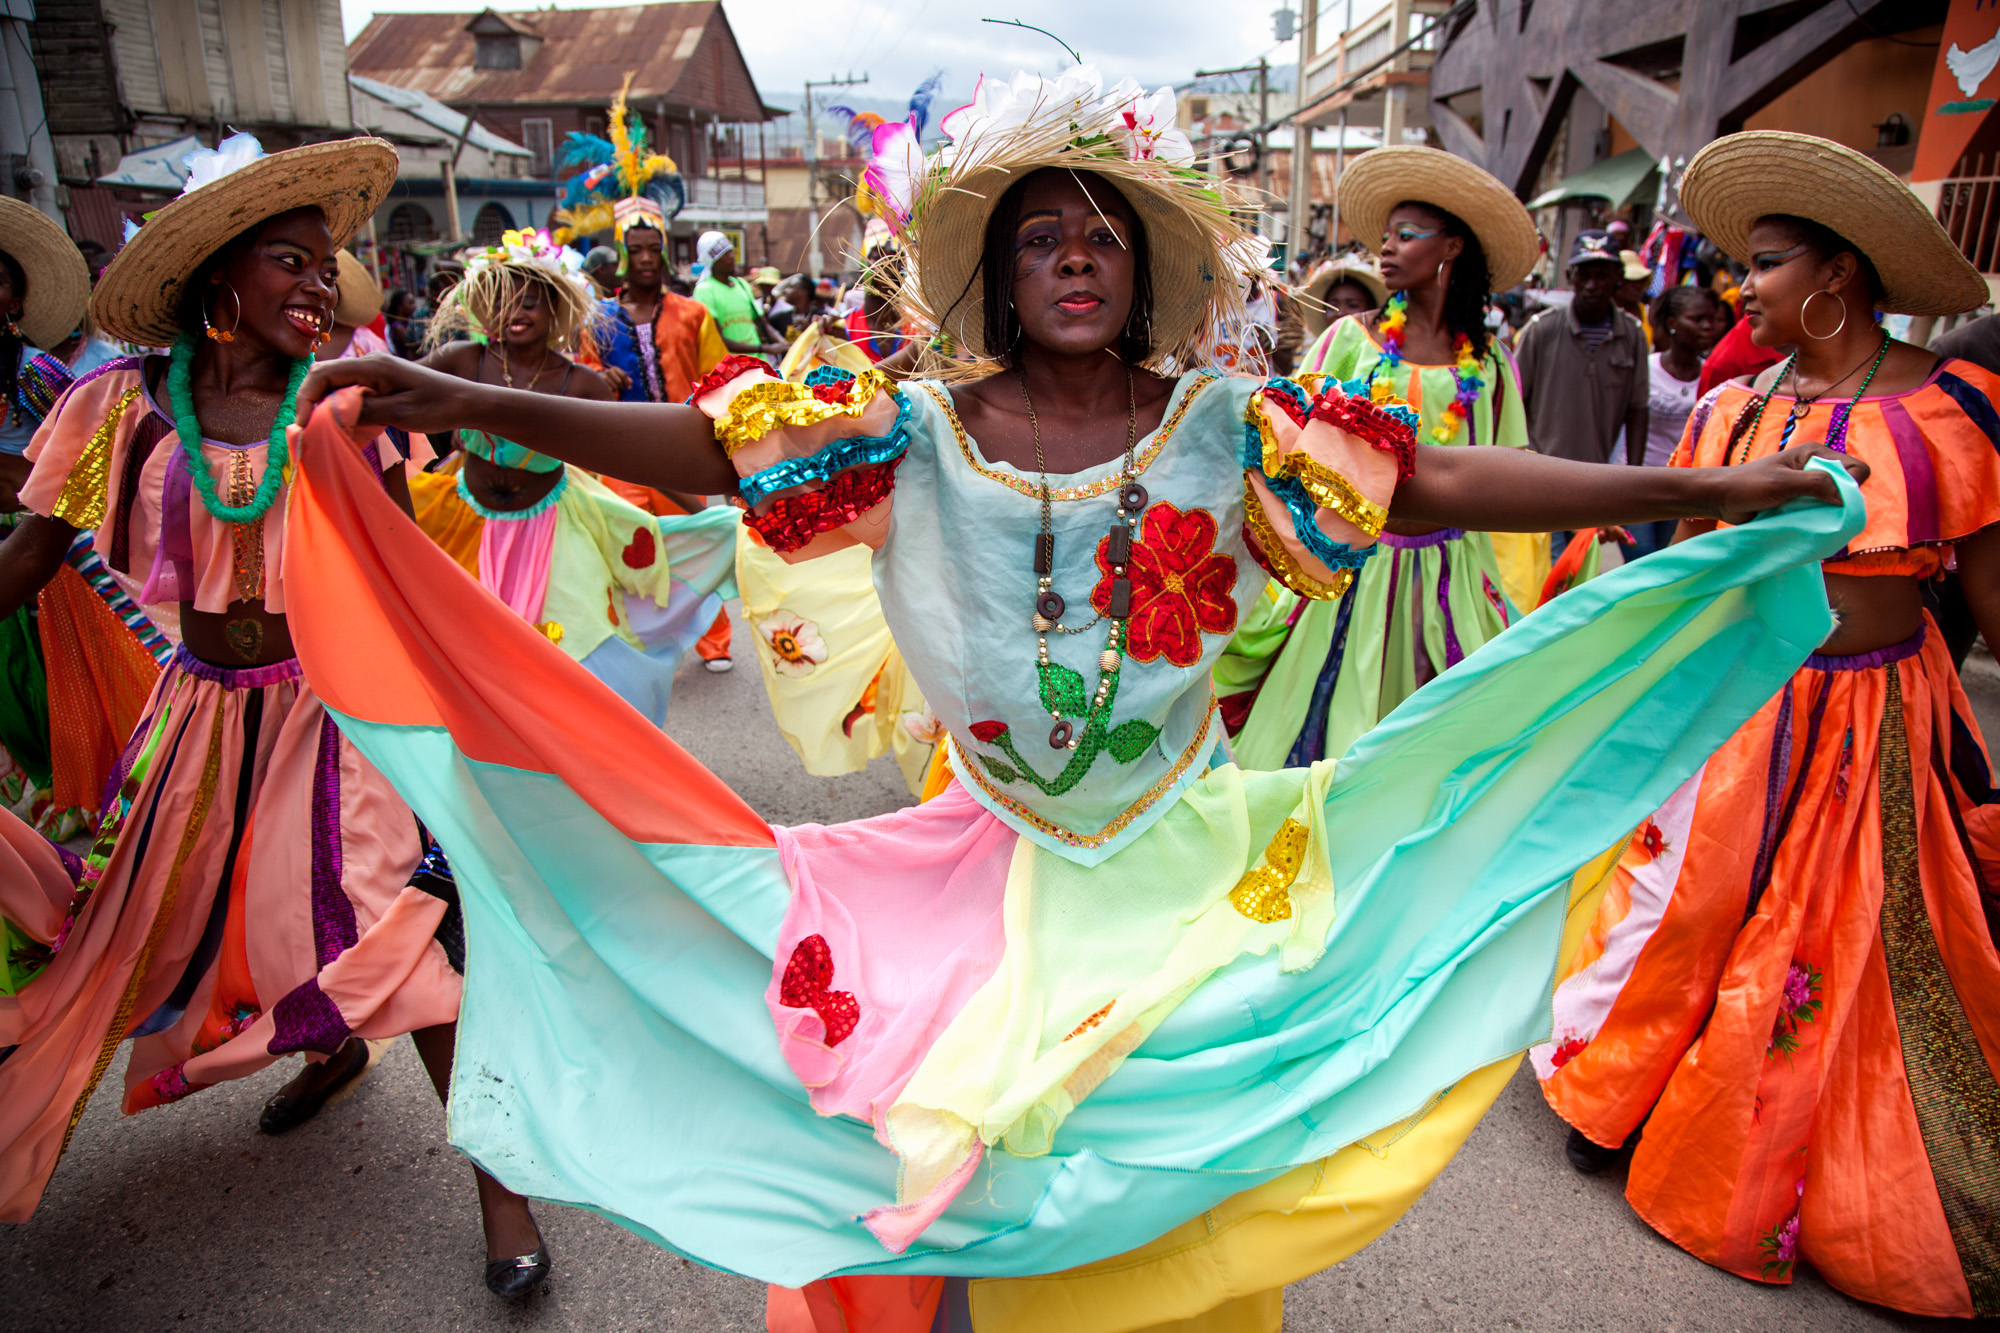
{"type": "Point", "coordinates": [517, 1277]}
{"type": "Point", "coordinates": [282, 1112]}
{"type": "Point", "coordinates": [1588, 1157]}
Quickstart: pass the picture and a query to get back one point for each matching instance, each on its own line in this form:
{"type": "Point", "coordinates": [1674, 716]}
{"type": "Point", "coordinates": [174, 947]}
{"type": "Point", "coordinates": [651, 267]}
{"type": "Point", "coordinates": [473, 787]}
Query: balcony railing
{"type": "Point", "coordinates": [1970, 211]}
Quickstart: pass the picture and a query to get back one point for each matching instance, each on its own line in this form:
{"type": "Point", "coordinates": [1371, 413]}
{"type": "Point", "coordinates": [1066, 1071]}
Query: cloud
{"type": "Point", "coordinates": [900, 43]}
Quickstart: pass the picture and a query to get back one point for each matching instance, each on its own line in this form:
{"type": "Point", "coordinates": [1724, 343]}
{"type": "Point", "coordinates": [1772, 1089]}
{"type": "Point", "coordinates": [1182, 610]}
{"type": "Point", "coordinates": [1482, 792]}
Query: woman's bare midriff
{"type": "Point", "coordinates": [1873, 612]}
{"type": "Point", "coordinates": [245, 635]}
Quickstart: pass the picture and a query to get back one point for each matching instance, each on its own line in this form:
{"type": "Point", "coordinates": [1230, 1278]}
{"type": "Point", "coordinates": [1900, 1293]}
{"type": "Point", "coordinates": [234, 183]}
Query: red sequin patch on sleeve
{"type": "Point", "coordinates": [726, 370]}
{"type": "Point", "coordinates": [794, 520]}
{"type": "Point", "coordinates": [807, 984]}
{"type": "Point", "coordinates": [1358, 416]}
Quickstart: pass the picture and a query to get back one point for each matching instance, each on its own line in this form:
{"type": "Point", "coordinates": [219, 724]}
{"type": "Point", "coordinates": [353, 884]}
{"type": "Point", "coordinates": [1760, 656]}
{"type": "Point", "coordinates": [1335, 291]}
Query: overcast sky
{"type": "Point", "coordinates": [899, 43]}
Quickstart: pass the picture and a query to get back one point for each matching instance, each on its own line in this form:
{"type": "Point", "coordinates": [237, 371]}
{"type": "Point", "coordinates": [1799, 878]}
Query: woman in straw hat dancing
{"type": "Point", "coordinates": [246, 896]}
{"type": "Point", "coordinates": [1793, 973]}
{"type": "Point", "coordinates": [1105, 983]}
{"type": "Point", "coordinates": [1449, 234]}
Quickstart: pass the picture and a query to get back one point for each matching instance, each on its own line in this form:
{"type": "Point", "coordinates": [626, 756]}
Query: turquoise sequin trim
{"type": "Point", "coordinates": [860, 451]}
{"type": "Point", "coordinates": [510, 515]}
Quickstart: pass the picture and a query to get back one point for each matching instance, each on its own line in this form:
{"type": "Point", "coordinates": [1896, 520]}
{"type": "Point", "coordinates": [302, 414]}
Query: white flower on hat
{"type": "Point", "coordinates": [998, 110]}
{"type": "Point", "coordinates": [1147, 127]}
{"type": "Point", "coordinates": [205, 166]}
{"type": "Point", "coordinates": [897, 166]}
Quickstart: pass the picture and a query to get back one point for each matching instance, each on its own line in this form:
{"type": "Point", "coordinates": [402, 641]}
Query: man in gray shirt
{"type": "Point", "coordinates": [1583, 369]}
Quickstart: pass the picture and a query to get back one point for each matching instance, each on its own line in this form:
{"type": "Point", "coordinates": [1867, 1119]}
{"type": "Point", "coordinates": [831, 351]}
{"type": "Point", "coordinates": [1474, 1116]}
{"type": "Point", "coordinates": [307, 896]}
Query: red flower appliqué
{"type": "Point", "coordinates": [807, 984]}
{"type": "Point", "coordinates": [639, 552]}
{"type": "Point", "coordinates": [1568, 1051]}
{"type": "Point", "coordinates": [1181, 587]}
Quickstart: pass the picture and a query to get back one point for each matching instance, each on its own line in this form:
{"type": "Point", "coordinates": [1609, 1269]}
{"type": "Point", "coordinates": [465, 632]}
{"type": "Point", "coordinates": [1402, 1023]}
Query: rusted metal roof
{"type": "Point", "coordinates": [683, 52]}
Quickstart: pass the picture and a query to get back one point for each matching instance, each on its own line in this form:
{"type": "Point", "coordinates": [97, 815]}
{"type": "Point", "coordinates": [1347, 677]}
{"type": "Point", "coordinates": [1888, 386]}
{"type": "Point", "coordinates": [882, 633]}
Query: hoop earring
{"type": "Point", "coordinates": [12, 328]}
{"type": "Point", "coordinates": [1440, 273]}
{"type": "Point", "coordinates": [222, 335]}
{"type": "Point", "coordinates": [1822, 337]}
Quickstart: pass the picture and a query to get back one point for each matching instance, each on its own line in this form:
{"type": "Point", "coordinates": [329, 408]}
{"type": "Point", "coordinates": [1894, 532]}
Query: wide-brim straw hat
{"type": "Point", "coordinates": [139, 294]}
{"type": "Point", "coordinates": [58, 279]}
{"type": "Point", "coordinates": [1347, 268]}
{"type": "Point", "coordinates": [1379, 179]}
{"type": "Point", "coordinates": [359, 298]}
{"type": "Point", "coordinates": [1761, 173]}
{"type": "Point", "coordinates": [1191, 277]}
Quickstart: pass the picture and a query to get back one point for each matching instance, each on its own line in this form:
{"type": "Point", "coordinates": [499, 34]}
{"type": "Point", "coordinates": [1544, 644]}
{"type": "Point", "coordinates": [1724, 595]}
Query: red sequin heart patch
{"type": "Point", "coordinates": [806, 985]}
{"type": "Point", "coordinates": [640, 551]}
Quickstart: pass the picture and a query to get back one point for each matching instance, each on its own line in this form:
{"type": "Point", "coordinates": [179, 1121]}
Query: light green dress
{"type": "Point", "coordinates": [1417, 608]}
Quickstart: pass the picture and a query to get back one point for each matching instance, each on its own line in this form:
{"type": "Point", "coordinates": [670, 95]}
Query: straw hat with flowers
{"type": "Point", "coordinates": [1740, 178]}
{"type": "Point", "coordinates": [58, 279]}
{"type": "Point", "coordinates": [1358, 269]}
{"type": "Point", "coordinates": [1378, 180]}
{"type": "Point", "coordinates": [940, 205]}
{"type": "Point", "coordinates": [229, 191]}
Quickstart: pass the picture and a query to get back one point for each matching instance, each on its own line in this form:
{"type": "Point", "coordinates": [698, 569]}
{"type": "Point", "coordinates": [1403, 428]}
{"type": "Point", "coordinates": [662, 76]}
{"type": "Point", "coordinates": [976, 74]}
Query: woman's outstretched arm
{"type": "Point", "coordinates": [1513, 490]}
{"type": "Point", "coordinates": [664, 445]}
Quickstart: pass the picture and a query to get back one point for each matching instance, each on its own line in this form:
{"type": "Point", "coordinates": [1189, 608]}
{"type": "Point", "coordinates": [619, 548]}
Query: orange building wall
{"type": "Point", "coordinates": [1847, 97]}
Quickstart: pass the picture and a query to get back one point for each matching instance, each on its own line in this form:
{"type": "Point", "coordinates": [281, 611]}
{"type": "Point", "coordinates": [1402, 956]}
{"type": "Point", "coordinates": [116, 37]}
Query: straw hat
{"type": "Point", "coordinates": [1347, 268]}
{"type": "Point", "coordinates": [1381, 178]}
{"type": "Point", "coordinates": [1126, 138]}
{"type": "Point", "coordinates": [58, 279]}
{"type": "Point", "coordinates": [1742, 177]}
{"type": "Point", "coordinates": [360, 296]}
{"type": "Point", "coordinates": [139, 294]}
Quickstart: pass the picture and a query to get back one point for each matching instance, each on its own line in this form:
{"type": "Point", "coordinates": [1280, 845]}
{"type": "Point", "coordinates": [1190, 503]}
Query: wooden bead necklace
{"type": "Point", "coordinates": [1049, 604]}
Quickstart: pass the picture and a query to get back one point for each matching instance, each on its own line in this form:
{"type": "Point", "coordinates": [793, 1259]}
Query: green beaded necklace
{"type": "Point", "coordinates": [180, 397]}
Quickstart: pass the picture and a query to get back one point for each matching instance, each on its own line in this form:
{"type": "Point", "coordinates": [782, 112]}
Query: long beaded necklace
{"type": "Point", "coordinates": [1836, 431]}
{"type": "Point", "coordinates": [1466, 380]}
{"type": "Point", "coordinates": [1049, 604]}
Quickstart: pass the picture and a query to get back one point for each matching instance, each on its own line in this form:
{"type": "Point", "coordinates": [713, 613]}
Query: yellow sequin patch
{"type": "Point", "coordinates": [1328, 488]}
{"type": "Point", "coordinates": [85, 492]}
{"type": "Point", "coordinates": [552, 630]}
{"type": "Point", "coordinates": [1283, 567]}
{"type": "Point", "coordinates": [763, 408]}
{"type": "Point", "coordinates": [1265, 894]}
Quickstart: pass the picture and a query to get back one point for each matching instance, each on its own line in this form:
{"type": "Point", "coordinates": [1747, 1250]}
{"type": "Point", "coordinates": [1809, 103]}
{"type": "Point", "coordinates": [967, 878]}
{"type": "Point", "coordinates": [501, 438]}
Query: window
{"type": "Point", "coordinates": [497, 50]}
{"type": "Point", "coordinates": [410, 222]}
{"type": "Point", "coordinates": [539, 138]}
{"type": "Point", "coordinates": [492, 222]}
{"type": "Point", "coordinates": [1197, 108]}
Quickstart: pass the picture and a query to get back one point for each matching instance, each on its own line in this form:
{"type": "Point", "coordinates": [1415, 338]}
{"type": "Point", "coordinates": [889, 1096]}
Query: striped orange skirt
{"type": "Point", "coordinates": [1792, 985]}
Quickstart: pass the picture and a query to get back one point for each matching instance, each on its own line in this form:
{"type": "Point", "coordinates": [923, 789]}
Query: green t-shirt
{"type": "Point", "coordinates": [734, 306]}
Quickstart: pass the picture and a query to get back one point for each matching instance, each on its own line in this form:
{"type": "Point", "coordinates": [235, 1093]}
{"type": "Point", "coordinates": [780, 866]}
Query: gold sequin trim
{"type": "Point", "coordinates": [85, 491]}
{"type": "Point", "coordinates": [1069, 837]}
{"type": "Point", "coordinates": [1952, 1088]}
{"type": "Point", "coordinates": [211, 771]}
{"type": "Point", "coordinates": [1283, 567]}
{"type": "Point", "coordinates": [1142, 460]}
{"type": "Point", "coordinates": [246, 539]}
{"type": "Point", "coordinates": [767, 406]}
{"type": "Point", "coordinates": [1089, 1023]}
{"type": "Point", "coordinates": [1328, 489]}
{"type": "Point", "coordinates": [1265, 894]}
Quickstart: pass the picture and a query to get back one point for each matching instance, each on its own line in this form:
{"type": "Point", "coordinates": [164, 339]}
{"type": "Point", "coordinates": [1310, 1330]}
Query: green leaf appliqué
{"type": "Point", "coordinates": [1063, 691]}
{"type": "Point", "coordinates": [1131, 739]}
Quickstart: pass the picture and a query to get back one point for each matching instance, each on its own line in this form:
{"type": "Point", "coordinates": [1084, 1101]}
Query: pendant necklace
{"type": "Point", "coordinates": [1049, 604]}
{"type": "Point", "coordinates": [1836, 435]}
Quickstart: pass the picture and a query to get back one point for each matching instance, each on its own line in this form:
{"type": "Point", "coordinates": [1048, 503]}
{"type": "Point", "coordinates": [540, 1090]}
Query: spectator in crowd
{"type": "Point", "coordinates": [1684, 329]}
{"type": "Point", "coordinates": [766, 280]}
{"type": "Point", "coordinates": [731, 300]}
{"type": "Point", "coordinates": [792, 306]}
{"type": "Point", "coordinates": [1583, 368]}
{"type": "Point", "coordinates": [1631, 295]}
{"type": "Point", "coordinates": [601, 267]}
{"type": "Point", "coordinates": [400, 312]}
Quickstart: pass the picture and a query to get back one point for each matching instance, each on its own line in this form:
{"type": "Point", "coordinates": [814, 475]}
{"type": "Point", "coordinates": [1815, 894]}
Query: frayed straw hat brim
{"type": "Point", "coordinates": [1379, 179]}
{"type": "Point", "coordinates": [139, 294]}
{"type": "Point", "coordinates": [360, 296]}
{"type": "Point", "coordinates": [58, 279]}
{"type": "Point", "coordinates": [1190, 278]}
{"type": "Point", "coordinates": [1761, 173]}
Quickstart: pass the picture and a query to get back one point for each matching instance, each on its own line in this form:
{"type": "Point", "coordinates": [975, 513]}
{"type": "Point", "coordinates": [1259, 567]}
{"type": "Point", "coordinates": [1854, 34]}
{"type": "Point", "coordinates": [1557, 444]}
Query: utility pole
{"type": "Point", "coordinates": [1263, 130]}
{"type": "Point", "coordinates": [816, 259]}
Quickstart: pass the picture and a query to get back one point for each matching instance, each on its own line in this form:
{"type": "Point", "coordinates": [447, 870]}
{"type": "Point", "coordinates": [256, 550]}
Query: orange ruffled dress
{"type": "Point", "coordinates": [1792, 982]}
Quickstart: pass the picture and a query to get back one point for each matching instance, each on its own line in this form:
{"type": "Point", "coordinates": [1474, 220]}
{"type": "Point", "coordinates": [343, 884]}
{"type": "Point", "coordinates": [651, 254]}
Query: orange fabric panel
{"type": "Point", "coordinates": [714, 645]}
{"type": "Point", "coordinates": [391, 631]}
{"type": "Point", "coordinates": [99, 678]}
{"type": "Point", "coordinates": [873, 1304]}
{"type": "Point", "coordinates": [1925, 562]}
{"type": "Point", "coordinates": [446, 518]}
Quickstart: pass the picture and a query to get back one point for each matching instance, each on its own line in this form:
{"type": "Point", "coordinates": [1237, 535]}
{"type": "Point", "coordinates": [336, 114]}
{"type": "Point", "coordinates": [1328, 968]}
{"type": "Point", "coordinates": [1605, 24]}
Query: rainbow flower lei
{"type": "Point", "coordinates": [1464, 370]}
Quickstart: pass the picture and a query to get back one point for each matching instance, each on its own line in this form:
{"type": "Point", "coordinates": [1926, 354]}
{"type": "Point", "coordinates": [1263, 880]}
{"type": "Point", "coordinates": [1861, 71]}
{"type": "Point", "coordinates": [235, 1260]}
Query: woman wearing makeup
{"type": "Point", "coordinates": [1792, 985]}
{"type": "Point", "coordinates": [1109, 1000]}
{"type": "Point", "coordinates": [248, 893]}
{"type": "Point", "coordinates": [1436, 593]}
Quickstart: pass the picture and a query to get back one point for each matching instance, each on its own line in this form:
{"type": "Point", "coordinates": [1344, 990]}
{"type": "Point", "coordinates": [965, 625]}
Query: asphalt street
{"type": "Point", "coordinates": [186, 1218]}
